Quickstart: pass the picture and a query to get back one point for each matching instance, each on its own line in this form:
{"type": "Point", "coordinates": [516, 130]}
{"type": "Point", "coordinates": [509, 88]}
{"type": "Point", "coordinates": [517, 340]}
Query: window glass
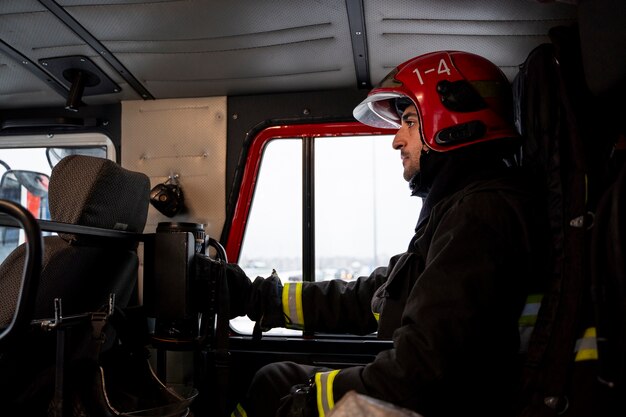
{"type": "Point", "coordinates": [25, 172]}
{"type": "Point", "coordinates": [364, 213]}
{"type": "Point", "coordinates": [273, 238]}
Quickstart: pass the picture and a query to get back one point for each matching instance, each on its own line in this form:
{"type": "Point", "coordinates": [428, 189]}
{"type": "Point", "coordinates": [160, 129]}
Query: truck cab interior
{"type": "Point", "coordinates": [135, 134]}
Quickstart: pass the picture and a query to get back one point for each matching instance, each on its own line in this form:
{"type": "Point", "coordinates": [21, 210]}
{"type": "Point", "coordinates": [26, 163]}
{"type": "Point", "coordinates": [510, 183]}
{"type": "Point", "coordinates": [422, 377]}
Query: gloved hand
{"type": "Point", "coordinates": [265, 304]}
{"type": "Point", "coordinates": [239, 286]}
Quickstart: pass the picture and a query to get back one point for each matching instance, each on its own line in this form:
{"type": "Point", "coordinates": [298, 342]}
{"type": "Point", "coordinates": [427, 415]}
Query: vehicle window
{"type": "Point", "coordinates": [273, 238]}
{"type": "Point", "coordinates": [364, 213]}
{"type": "Point", "coordinates": [25, 172]}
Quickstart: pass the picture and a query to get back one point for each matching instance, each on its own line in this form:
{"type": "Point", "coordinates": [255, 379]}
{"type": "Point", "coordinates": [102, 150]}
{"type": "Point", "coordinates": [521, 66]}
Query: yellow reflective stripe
{"type": "Point", "coordinates": [527, 320]}
{"type": "Point", "coordinates": [531, 309]}
{"type": "Point", "coordinates": [376, 316]}
{"type": "Point", "coordinates": [292, 305]}
{"type": "Point", "coordinates": [239, 412]}
{"type": "Point", "coordinates": [587, 347]}
{"type": "Point", "coordinates": [324, 391]}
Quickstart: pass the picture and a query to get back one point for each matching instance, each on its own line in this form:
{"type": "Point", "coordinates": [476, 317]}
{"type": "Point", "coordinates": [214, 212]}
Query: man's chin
{"type": "Point", "coordinates": [408, 175]}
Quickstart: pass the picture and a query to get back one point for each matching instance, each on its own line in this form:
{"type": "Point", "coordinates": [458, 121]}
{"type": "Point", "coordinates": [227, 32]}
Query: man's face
{"type": "Point", "coordinates": [408, 141]}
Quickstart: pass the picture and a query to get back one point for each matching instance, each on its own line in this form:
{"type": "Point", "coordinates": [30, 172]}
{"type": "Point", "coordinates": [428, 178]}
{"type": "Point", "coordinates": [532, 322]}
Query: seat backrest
{"type": "Point", "coordinates": [82, 272]}
{"type": "Point", "coordinates": [569, 138]}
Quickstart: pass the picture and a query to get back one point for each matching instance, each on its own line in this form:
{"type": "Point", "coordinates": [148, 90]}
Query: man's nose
{"type": "Point", "coordinates": [398, 140]}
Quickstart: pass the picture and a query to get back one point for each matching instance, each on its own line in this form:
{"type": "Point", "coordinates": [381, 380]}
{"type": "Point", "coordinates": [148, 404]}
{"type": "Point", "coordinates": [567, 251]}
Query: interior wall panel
{"type": "Point", "coordinates": [184, 137]}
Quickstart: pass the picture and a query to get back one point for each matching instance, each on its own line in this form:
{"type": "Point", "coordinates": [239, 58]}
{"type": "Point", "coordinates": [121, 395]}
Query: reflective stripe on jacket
{"type": "Point", "coordinates": [239, 412]}
{"type": "Point", "coordinates": [586, 348]}
{"type": "Point", "coordinates": [325, 399]}
{"type": "Point", "coordinates": [292, 305]}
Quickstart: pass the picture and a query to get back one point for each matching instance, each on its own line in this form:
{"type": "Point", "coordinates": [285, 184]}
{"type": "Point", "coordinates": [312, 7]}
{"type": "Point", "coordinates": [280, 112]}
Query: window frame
{"type": "Point", "coordinates": [251, 169]}
{"type": "Point", "coordinates": [59, 141]}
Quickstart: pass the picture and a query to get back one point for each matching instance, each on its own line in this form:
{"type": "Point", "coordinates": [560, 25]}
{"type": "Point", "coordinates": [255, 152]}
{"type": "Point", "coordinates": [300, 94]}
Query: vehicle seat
{"type": "Point", "coordinates": [79, 269]}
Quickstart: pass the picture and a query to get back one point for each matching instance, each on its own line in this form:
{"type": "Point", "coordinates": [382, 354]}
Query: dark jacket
{"type": "Point", "coordinates": [450, 304]}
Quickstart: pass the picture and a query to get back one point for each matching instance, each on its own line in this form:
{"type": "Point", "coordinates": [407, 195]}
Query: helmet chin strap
{"type": "Point", "coordinates": [415, 186]}
{"type": "Point", "coordinates": [419, 182]}
{"type": "Point", "coordinates": [422, 181]}
{"type": "Point", "coordinates": [419, 185]}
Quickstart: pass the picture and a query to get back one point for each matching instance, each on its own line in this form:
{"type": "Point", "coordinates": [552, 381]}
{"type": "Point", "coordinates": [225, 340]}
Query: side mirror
{"type": "Point", "coordinates": [35, 183]}
{"type": "Point", "coordinates": [28, 188]}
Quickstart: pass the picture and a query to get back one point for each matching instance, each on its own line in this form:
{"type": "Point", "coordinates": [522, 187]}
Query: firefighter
{"type": "Point", "coordinates": [451, 303]}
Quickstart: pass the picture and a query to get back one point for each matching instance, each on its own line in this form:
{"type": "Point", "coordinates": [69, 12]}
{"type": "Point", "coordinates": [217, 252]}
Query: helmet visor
{"type": "Point", "coordinates": [379, 110]}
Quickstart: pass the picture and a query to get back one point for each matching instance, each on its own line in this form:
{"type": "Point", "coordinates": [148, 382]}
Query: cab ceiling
{"type": "Point", "coordinates": [200, 48]}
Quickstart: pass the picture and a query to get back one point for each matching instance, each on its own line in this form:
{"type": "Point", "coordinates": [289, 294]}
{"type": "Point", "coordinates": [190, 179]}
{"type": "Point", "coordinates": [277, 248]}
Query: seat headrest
{"type": "Point", "coordinates": [97, 192]}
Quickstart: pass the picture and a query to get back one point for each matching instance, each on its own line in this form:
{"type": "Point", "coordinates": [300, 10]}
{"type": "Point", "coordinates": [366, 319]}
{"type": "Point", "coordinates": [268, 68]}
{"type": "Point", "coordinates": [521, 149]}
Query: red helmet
{"type": "Point", "coordinates": [461, 99]}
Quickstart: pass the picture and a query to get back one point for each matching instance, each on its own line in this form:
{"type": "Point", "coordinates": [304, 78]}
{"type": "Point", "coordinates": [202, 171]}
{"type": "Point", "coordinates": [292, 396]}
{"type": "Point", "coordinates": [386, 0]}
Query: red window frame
{"type": "Point", "coordinates": [253, 162]}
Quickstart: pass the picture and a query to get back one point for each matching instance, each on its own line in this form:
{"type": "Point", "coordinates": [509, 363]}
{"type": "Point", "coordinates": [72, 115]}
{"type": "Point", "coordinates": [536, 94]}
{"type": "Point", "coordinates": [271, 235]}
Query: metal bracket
{"type": "Point", "coordinates": [66, 67]}
{"type": "Point", "coordinates": [356, 21]}
{"type": "Point", "coordinates": [94, 43]}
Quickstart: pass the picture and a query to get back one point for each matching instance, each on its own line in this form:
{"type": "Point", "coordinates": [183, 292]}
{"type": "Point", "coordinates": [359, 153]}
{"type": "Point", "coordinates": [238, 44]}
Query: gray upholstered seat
{"type": "Point", "coordinates": [82, 271]}
{"type": "Point", "coordinates": [85, 191]}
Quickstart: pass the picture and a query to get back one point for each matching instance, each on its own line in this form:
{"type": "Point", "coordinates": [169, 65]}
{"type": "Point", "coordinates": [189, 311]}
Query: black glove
{"type": "Point", "coordinates": [265, 304]}
{"type": "Point", "coordinates": [239, 286]}
{"type": "Point", "coordinates": [261, 300]}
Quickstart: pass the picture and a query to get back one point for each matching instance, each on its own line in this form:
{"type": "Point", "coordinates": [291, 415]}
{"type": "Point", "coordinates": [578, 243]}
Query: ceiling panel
{"type": "Point", "coordinates": [20, 88]}
{"type": "Point", "coordinates": [503, 31]}
{"type": "Point", "coordinates": [203, 48]}
{"type": "Point", "coordinates": [199, 48]}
